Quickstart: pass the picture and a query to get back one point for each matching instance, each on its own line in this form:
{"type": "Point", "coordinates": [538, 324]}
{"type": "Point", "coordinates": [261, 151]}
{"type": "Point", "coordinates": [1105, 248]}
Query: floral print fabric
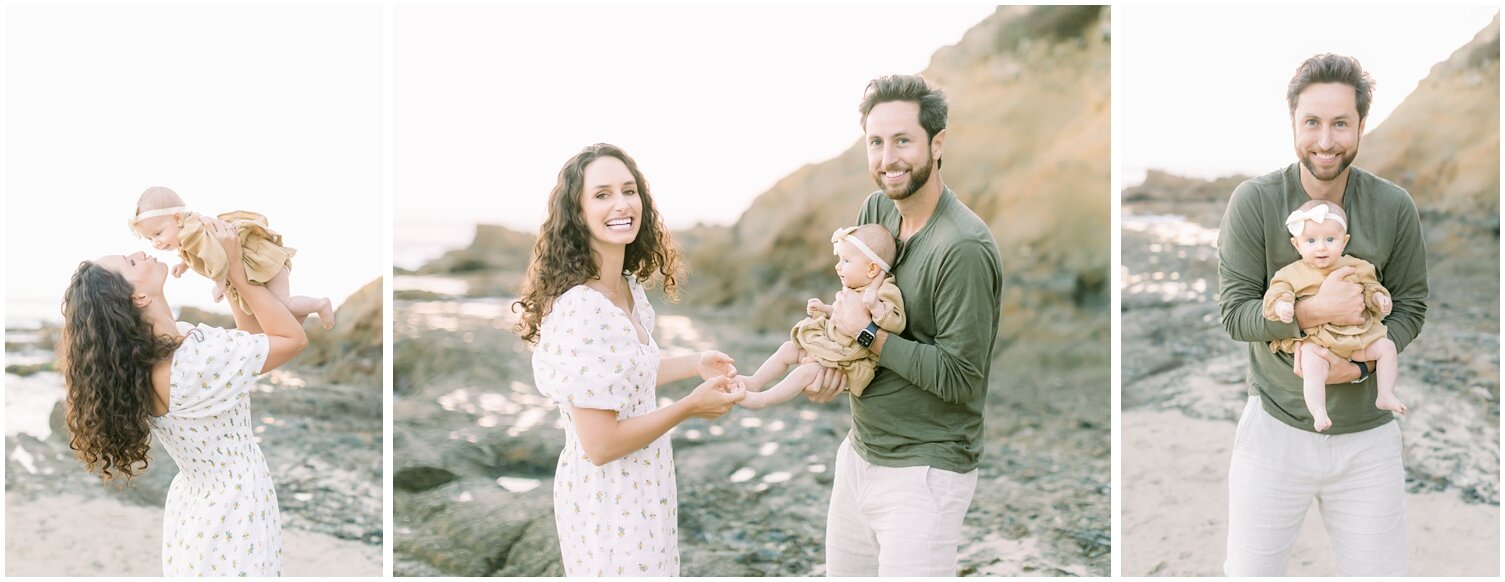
{"type": "Point", "coordinates": [621, 518]}
{"type": "Point", "coordinates": [222, 507]}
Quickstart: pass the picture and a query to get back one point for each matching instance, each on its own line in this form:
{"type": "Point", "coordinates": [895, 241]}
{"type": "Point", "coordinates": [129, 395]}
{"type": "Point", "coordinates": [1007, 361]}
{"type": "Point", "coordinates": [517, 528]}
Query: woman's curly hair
{"type": "Point", "coordinates": [106, 353]}
{"type": "Point", "coordinates": [562, 255]}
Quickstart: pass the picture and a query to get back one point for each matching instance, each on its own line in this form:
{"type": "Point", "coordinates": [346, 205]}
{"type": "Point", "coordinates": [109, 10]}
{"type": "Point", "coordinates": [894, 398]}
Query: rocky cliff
{"type": "Point", "coordinates": [1027, 150]}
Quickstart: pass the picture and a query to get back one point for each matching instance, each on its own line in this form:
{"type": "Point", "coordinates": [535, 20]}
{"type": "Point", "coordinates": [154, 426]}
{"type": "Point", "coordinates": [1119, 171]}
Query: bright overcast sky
{"type": "Point", "coordinates": [1203, 88]}
{"type": "Point", "coordinates": [271, 109]}
{"type": "Point", "coordinates": [715, 103]}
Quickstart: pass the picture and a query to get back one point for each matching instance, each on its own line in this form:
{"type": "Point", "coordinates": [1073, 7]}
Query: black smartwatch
{"type": "Point", "coordinates": [1363, 371]}
{"type": "Point", "coordinates": [867, 335]}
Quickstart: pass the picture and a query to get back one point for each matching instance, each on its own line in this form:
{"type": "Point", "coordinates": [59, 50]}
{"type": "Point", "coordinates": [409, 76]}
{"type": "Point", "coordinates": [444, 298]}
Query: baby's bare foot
{"type": "Point", "coordinates": [219, 293]}
{"type": "Point", "coordinates": [326, 314]}
{"type": "Point", "coordinates": [1390, 403]}
{"type": "Point", "coordinates": [1322, 422]}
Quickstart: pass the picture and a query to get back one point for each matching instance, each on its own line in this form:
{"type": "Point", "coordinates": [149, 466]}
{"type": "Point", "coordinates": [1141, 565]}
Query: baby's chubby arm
{"type": "Point", "coordinates": [1376, 296]}
{"type": "Point", "coordinates": [815, 305]}
{"type": "Point", "coordinates": [1379, 298]}
{"type": "Point", "coordinates": [1280, 301]}
{"type": "Point", "coordinates": [887, 311]}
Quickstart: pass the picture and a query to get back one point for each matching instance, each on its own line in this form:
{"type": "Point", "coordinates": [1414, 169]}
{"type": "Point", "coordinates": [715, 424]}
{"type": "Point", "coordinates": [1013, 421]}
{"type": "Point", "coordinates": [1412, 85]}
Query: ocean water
{"type": "Point", "coordinates": [417, 242]}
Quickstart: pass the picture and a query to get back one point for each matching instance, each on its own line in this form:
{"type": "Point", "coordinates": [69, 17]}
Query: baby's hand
{"type": "Point", "coordinates": [870, 295]}
{"type": "Point", "coordinates": [179, 269]}
{"type": "Point", "coordinates": [745, 382]}
{"type": "Point", "coordinates": [814, 306]}
{"type": "Point", "coordinates": [1285, 310]}
{"type": "Point", "coordinates": [1383, 301]}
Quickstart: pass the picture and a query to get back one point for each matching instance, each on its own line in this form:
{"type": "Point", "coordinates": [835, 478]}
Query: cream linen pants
{"type": "Point", "coordinates": [894, 521]}
{"type": "Point", "coordinates": [1357, 480]}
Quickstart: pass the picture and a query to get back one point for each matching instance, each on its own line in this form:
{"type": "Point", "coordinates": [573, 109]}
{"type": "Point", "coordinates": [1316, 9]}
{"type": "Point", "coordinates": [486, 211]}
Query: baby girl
{"type": "Point", "coordinates": [162, 218]}
{"type": "Point", "coordinates": [1319, 231]}
{"type": "Point", "coordinates": [866, 254]}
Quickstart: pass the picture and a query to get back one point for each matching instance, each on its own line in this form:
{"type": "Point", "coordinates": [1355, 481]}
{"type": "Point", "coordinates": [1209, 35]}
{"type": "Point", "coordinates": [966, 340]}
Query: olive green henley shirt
{"type": "Point", "coordinates": [925, 404]}
{"type": "Point", "coordinates": [1253, 244]}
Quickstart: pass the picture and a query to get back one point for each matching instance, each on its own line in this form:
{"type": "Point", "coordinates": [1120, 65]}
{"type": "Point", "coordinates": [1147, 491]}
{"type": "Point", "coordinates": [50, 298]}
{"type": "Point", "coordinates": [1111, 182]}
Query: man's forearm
{"type": "Point", "coordinates": [954, 378]}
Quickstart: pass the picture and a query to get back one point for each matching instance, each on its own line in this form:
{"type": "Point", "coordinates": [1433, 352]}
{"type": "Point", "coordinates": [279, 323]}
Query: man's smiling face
{"type": "Point", "coordinates": [900, 155]}
{"type": "Point", "coordinates": [1327, 128]}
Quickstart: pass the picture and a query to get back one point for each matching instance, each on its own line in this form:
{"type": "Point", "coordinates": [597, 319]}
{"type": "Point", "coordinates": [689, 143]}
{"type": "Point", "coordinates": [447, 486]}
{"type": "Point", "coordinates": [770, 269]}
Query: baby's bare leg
{"type": "Point", "coordinates": [1313, 387]}
{"type": "Point", "coordinates": [786, 356]}
{"type": "Point", "coordinates": [1383, 353]}
{"type": "Point", "coordinates": [301, 306]}
{"type": "Point", "coordinates": [787, 388]}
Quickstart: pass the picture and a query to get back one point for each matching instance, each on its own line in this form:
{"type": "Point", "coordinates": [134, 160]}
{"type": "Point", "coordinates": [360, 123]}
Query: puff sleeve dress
{"type": "Point", "coordinates": [221, 516]}
{"type": "Point", "coordinates": [619, 519]}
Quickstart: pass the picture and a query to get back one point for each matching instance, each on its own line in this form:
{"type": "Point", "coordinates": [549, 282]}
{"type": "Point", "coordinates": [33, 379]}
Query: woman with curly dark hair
{"type": "Point", "coordinates": [583, 305]}
{"type": "Point", "coordinates": [133, 374]}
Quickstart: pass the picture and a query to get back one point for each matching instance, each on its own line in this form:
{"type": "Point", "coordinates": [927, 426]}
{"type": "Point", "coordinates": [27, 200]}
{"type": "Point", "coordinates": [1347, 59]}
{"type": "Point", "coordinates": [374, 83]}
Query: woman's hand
{"type": "Point", "coordinates": [714, 397]}
{"type": "Point", "coordinates": [605, 438]}
{"type": "Point", "coordinates": [225, 235]}
{"type": "Point", "coordinates": [713, 364]}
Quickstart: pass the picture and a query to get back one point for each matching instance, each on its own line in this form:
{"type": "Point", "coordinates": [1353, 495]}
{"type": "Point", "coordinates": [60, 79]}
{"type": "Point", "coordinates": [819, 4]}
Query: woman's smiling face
{"type": "Point", "coordinates": [610, 203]}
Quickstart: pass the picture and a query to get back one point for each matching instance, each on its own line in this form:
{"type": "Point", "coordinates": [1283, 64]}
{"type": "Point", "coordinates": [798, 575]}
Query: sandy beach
{"type": "Point", "coordinates": [317, 421]}
{"type": "Point", "coordinates": [1175, 510]}
{"type": "Point", "coordinates": [59, 536]}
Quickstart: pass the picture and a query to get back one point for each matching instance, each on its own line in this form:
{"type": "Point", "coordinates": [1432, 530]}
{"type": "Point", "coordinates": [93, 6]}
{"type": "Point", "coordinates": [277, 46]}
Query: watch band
{"type": "Point", "coordinates": [1363, 371]}
{"type": "Point", "coordinates": [868, 334]}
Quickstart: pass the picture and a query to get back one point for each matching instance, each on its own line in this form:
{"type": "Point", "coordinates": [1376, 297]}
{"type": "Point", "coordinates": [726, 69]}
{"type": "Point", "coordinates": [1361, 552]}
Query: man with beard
{"type": "Point", "coordinates": [904, 476]}
{"type": "Point", "coordinates": [1280, 464]}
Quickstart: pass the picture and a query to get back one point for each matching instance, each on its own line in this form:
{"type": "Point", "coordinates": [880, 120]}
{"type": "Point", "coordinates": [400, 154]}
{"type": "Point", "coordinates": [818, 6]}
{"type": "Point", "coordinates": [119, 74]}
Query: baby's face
{"type": "Point", "coordinates": [162, 231]}
{"type": "Point", "coordinates": [854, 268]}
{"type": "Point", "coordinates": [1321, 245]}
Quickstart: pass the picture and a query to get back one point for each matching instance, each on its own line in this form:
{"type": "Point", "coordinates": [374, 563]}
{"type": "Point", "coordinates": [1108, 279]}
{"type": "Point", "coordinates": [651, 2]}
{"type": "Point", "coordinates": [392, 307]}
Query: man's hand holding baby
{"type": "Point", "coordinates": [1338, 301]}
{"type": "Point", "coordinates": [850, 314]}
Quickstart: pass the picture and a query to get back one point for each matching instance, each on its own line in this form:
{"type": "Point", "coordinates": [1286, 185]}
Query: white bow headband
{"type": "Point", "coordinates": [1318, 214]}
{"type": "Point", "coordinates": [131, 223]}
{"type": "Point", "coordinates": [846, 234]}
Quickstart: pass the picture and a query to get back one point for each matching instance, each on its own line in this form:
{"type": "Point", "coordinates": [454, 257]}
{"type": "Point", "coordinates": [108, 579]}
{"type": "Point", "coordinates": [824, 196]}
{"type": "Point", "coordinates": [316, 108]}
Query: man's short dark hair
{"type": "Point", "coordinates": [911, 88]}
{"type": "Point", "coordinates": [1331, 68]}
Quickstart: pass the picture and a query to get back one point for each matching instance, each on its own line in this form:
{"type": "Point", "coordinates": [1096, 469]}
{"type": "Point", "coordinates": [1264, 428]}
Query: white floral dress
{"type": "Point", "coordinates": [621, 518]}
{"type": "Point", "coordinates": [222, 507]}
